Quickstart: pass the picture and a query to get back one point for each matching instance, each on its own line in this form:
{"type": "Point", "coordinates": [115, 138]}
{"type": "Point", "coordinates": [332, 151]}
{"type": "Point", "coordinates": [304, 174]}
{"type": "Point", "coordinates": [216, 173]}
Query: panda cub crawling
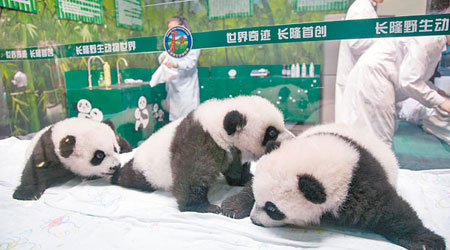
{"type": "Point", "coordinates": [187, 155]}
{"type": "Point", "coordinates": [336, 174]}
{"type": "Point", "coordinates": [69, 148]}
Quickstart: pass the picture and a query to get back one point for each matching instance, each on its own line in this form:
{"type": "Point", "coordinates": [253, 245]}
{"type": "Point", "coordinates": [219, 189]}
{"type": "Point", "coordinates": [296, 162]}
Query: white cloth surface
{"type": "Point", "coordinates": [350, 50]}
{"type": "Point", "coordinates": [95, 215]}
{"type": "Point", "coordinates": [183, 93]}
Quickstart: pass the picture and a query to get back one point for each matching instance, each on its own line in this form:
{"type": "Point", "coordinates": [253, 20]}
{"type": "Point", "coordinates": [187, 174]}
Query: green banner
{"type": "Point", "coordinates": [23, 5]}
{"type": "Point", "coordinates": [129, 14]}
{"type": "Point", "coordinates": [229, 8]}
{"type": "Point", "coordinates": [426, 25]}
{"type": "Point", "coordinates": [89, 11]}
{"type": "Point", "coordinates": [320, 5]}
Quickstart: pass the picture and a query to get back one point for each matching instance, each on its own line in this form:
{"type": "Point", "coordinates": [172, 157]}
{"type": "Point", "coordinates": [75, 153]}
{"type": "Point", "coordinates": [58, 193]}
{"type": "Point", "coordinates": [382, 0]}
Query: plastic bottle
{"type": "Point", "coordinates": [311, 70]}
{"type": "Point", "coordinates": [101, 80]}
{"type": "Point", "coordinates": [297, 70]}
{"type": "Point", "coordinates": [283, 71]}
{"type": "Point", "coordinates": [107, 71]}
{"type": "Point", "coordinates": [293, 70]}
{"type": "Point", "coordinates": [304, 70]}
{"type": "Point", "coordinates": [288, 71]}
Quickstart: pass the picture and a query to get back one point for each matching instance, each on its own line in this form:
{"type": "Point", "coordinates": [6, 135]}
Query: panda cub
{"type": "Point", "coordinates": [69, 148]}
{"type": "Point", "coordinates": [336, 174]}
{"type": "Point", "coordinates": [187, 155]}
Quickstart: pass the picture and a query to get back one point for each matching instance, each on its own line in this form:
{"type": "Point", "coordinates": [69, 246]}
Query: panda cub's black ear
{"type": "Point", "coordinates": [233, 121]}
{"type": "Point", "coordinates": [110, 124]}
{"type": "Point", "coordinates": [312, 189]}
{"type": "Point", "coordinates": [44, 151]}
{"type": "Point", "coordinates": [124, 145]}
{"type": "Point", "coordinates": [66, 146]}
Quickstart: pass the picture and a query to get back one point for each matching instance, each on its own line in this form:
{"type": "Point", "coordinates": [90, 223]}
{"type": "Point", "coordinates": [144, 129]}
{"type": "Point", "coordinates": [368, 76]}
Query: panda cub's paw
{"type": "Point", "coordinates": [234, 208]}
{"type": "Point", "coordinates": [213, 209]}
{"type": "Point", "coordinates": [240, 205]}
{"type": "Point", "coordinates": [424, 241]}
{"type": "Point", "coordinates": [203, 208]}
{"type": "Point", "coordinates": [26, 193]}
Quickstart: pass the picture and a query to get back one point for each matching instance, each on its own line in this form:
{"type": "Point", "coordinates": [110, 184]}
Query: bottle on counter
{"type": "Point", "coordinates": [101, 80]}
{"type": "Point", "coordinates": [107, 72]}
{"type": "Point", "coordinates": [304, 70]}
{"type": "Point", "coordinates": [311, 69]}
{"type": "Point", "coordinates": [288, 71]}
{"type": "Point", "coordinates": [297, 70]}
{"type": "Point", "coordinates": [283, 71]}
{"type": "Point", "coordinates": [293, 70]}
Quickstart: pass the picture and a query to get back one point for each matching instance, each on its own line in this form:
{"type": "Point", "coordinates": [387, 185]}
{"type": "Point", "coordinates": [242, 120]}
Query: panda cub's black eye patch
{"type": "Point", "coordinates": [98, 157]}
{"type": "Point", "coordinates": [273, 212]}
{"type": "Point", "coordinates": [270, 135]}
{"type": "Point", "coordinates": [312, 189]}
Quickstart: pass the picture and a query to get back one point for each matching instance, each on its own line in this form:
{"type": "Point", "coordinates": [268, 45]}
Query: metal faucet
{"type": "Point", "coordinates": [89, 68]}
{"type": "Point", "coordinates": [117, 67]}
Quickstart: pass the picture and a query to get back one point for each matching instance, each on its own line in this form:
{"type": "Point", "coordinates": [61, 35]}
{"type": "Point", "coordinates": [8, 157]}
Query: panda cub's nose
{"type": "Point", "coordinates": [115, 167]}
{"type": "Point", "coordinates": [256, 222]}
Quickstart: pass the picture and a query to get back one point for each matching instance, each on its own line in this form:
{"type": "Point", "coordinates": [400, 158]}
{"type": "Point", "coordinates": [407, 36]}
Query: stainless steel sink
{"type": "Point", "coordinates": [120, 86]}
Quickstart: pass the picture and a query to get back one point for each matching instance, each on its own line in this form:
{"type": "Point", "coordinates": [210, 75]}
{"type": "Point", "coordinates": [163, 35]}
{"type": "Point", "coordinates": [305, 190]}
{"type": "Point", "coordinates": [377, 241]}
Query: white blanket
{"type": "Point", "coordinates": [95, 215]}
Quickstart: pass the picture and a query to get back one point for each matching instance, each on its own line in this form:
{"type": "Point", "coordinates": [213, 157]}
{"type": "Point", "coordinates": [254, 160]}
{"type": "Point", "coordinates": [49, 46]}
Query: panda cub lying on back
{"type": "Point", "coordinates": [334, 173]}
{"type": "Point", "coordinates": [187, 155]}
{"type": "Point", "coordinates": [69, 148]}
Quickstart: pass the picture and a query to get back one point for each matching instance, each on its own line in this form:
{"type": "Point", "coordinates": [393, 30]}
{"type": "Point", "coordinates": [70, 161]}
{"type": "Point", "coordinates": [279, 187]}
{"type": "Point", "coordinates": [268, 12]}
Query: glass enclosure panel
{"type": "Point", "coordinates": [300, 76]}
{"type": "Point", "coordinates": [382, 66]}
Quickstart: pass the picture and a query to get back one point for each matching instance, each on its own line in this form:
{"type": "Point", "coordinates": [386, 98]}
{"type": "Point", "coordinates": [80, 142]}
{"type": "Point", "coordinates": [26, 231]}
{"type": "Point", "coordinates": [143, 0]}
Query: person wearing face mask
{"type": "Point", "coordinates": [183, 93]}
{"type": "Point", "coordinates": [351, 50]}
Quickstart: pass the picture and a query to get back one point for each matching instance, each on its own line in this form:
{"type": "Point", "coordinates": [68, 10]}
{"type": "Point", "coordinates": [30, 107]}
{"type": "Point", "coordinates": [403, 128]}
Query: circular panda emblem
{"type": "Point", "coordinates": [141, 114]}
{"type": "Point", "coordinates": [96, 114]}
{"type": "Point", "coordinates": [85, 110]}
{"type": "Point", "coordinates": [84, 107]}
{"type": "Point", "coordinates": [178, 41]}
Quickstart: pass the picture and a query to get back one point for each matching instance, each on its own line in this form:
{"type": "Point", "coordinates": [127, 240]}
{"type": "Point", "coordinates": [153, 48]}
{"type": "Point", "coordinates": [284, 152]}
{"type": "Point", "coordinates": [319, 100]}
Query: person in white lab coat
{"type": "Point", "coordinates": [351, 50]}
{"type": "Point", "coordinates": [183, 93]}
{"type": "Point", "coordinates": [390, 71]}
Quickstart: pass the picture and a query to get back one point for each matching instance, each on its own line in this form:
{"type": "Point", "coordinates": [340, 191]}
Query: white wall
{"type": "Point", "coordinates": [402, 7]}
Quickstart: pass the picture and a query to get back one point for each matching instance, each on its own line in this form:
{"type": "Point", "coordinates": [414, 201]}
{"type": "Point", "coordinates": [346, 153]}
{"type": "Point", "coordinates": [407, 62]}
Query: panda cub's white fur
{"type": "Point", "coordinates": [187, 155]}
{"type": "Point", "coordinates": [340, 175]}
{"type": "Point", "coordinates": [258, 113]}
{"type": "Point", "coordinates": [153, 156]}
{"type": "Point", "coordinates": [368, 140]}
{"type": "Point", "coordinates": [71, 147]}
{"type": "Point", "coordinates": [90, 136]}
{"type": "Point", "coordinates": [277, 173]}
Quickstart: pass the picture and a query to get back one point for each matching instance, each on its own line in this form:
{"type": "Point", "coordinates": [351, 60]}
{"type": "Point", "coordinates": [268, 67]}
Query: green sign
{"type": "Point", "coordinates": [129, 14]}
{"type": "Point", "coordinates": [89, 11]}
{"type": "Point", "coordinates": [23, 5]}
{"type": "Point", "coordinates": [320, 5]}
{"type": "Point", "coordinates": [28, 53]}
{"type": "Point", "coordinates": [229, 8]}
{"type": "Point", "coordinates": [426, 25]}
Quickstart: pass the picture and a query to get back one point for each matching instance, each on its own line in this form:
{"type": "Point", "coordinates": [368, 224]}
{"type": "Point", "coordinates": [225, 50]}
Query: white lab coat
{"type": "Point", "coordinates": [390, 71]}
{"type": "Point", "coordinates": [183, 93]}
{"type": "Point", "coordinates": [351, 50]}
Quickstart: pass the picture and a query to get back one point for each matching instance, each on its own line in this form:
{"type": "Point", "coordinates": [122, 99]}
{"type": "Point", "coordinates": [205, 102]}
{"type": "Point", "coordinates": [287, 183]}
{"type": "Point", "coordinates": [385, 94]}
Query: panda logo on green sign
{"type": "Point", "coordinates": [178, 41]}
